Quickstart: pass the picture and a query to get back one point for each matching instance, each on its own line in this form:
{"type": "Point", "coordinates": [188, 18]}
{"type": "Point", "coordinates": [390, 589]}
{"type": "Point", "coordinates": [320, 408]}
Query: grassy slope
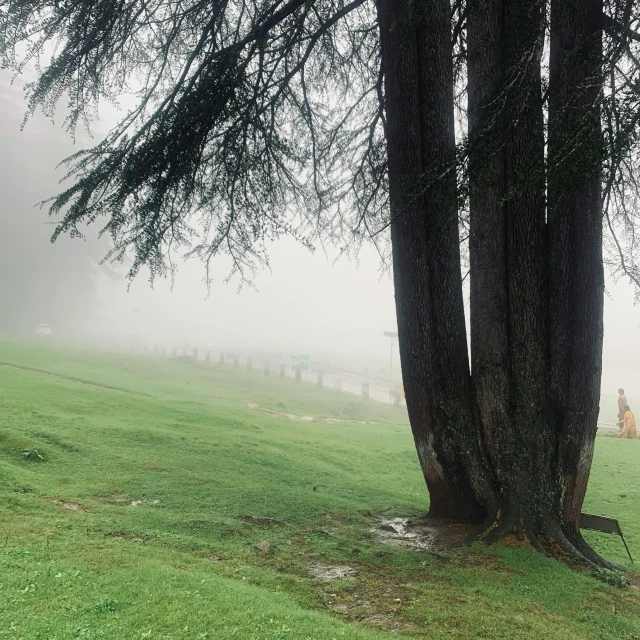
{"type": "Point", "coordinates": [181, 565]}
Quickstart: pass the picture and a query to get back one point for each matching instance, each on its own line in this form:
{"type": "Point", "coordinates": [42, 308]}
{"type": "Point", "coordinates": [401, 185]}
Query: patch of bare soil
{"type": "Point", "coordinates": [72, 506]}
{"type": "Point", "coordinates": [374, 600]}
{"type": "Point", "coordinates": [423, 534]}
{"type": "Point", "coordinates": [329, 572]}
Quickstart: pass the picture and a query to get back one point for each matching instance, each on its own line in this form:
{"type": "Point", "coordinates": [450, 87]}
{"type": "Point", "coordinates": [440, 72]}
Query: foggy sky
{"type": "Point", "coordinates": [306, 303]}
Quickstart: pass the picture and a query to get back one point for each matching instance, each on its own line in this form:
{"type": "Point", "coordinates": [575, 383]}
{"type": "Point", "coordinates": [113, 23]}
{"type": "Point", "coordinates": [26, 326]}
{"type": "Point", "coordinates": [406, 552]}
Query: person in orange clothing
{"type": "Point", "coordinates": [622, 403]}
{"type": "Point", "coordinates": [627, 425]}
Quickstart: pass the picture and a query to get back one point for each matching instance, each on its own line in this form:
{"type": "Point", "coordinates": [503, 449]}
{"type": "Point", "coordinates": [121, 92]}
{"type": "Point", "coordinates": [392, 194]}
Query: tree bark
{"type": "Point", "coordinates": [507, 247]}
{"type": "Point", "coordinates": [487, 241]}
{"type": "Point", "coordinates": [507, 443]}
{"type": "Point", "coordinates": [418, 73]}
{"type": "Point", "coordinates": [575, 243]}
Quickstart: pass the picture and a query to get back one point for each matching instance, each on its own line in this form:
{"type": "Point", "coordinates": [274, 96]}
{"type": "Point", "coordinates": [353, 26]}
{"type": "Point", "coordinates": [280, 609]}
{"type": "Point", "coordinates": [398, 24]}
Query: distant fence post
{"type": "Point", "coordinates": [195, 353]}
{"type": "Point", "coordinates": [221, 357]}
{"type": "Point", "coordinates": [365, 390]}
{"type": "Point", "coordinates": [207, 356]}
{"type": "Point", "coordinates": [298, 374]}
{"type": "Point", "coordinates": [338, 385]}
{"type": "Point", "coordinates": [320, 378]}
{"type": "Point", "coordinates": [266, 369]}
{"type": "Point", "coordinates": [249, 364]}
{"type": "Point", "coordinates": [282, 371]}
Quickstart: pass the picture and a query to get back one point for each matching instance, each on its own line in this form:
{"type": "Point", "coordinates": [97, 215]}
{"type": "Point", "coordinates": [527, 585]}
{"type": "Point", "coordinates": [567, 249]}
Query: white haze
{"type": "Point", "coordinates": [307, 303]}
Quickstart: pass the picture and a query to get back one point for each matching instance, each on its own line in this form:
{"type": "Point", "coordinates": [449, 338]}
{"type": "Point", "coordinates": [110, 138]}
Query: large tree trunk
{"type": "Point", "coordinates": [509, 301]}
{"type": "Point", "coordinates": [575, 244]}
{"type": "Point", "coordinates": [510, 444]}
{"type": "Point", "coordinates": [487, 241]}
{"type": "Point", "coordinates": [418, 72]}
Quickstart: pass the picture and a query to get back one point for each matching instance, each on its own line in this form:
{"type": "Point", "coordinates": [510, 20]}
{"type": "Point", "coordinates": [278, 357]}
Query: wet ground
{"type": "Point", "coordinates": [423, 534]}
{"type": "Point", "coordinates": [293, 416]}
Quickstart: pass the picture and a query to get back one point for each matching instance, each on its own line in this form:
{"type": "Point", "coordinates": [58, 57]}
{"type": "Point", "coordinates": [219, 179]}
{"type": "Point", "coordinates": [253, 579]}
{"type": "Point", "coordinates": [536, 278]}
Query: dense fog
{"type": "Point", "coordinates": [307, 303]}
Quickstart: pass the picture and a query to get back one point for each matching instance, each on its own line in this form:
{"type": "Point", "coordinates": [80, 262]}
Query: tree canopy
{"type": "Point", "coordinates": [251, 119]}
{"type": "Point", "coordinates": [254, 118]}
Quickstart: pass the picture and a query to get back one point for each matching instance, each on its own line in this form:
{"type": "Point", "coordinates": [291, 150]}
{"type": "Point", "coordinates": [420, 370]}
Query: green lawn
{"type": "Point", "coordinates": [157, 481]}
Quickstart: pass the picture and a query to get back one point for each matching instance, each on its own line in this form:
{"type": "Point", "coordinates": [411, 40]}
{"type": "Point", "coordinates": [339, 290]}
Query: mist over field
{"type": "Point", "coordinates": [334, 311]}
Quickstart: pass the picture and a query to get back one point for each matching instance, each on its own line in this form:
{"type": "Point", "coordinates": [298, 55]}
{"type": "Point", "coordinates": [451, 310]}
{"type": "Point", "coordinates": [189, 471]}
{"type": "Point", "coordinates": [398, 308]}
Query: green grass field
{"type": "Point", "coordinates": [159, 479]}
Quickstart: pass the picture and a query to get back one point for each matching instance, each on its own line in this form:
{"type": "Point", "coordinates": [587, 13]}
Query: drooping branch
{"type": "Point", "coordinates": [252, 119]}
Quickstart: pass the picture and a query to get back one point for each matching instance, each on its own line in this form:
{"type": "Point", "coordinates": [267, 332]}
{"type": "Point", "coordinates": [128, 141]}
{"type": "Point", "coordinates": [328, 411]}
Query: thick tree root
{"type": "Point", "coordinates": [581, 544]}
{"type": "Point", "coordinates": [549, 539]}
{"type": "Point", "coordinates": [554, 535]}
{"type": "Point", "coordinates": [552, 540]}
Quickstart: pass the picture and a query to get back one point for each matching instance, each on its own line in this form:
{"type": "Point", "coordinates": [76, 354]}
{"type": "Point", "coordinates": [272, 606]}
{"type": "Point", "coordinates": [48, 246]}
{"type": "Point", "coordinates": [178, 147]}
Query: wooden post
{"type": "Point", "coordinates": [266, 368]}
{"type": "Point", "coordinates": [283, 372]}
{"type": "Point", "coordinates": [365, 390]}
{"type": "Point", "coordinates": [249, 364]}
{"type": "Point", "coordinates": [320, 378]}
{"type": "Point", "coordinates": [338, 385]}
{"type": "Point", "coordinates": [195, 353]}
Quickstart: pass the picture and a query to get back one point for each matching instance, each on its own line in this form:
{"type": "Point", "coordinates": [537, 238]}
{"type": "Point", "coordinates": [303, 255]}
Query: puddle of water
{"type": "Point", "coordinates": [399, 533]}
{"type": "Point", "coordinates": [420, 534]}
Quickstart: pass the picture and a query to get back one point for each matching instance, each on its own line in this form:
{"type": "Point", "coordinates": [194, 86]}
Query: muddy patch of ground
{"type": "Point", "coordinates": [72, 506]}
{"type": "Point", "coordinates": [330, 572]}
{"type": "Point", "coordinates": [372, 600]}
{"type": "Point", "coordinates": [423, 534]}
